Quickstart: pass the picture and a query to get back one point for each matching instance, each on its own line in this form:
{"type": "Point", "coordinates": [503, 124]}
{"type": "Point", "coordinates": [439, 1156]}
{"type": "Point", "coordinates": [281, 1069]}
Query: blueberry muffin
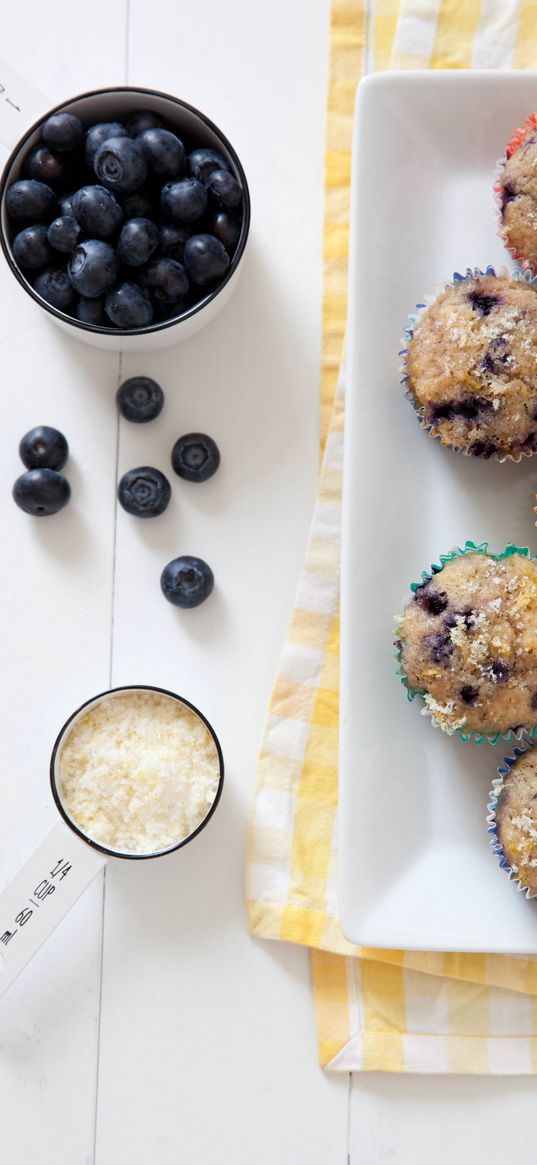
{"type": "Point", "coordinates": [471, 366]}
{"type": "Point", "coordinates": [517, 193]}
{"type": "Point", "coordinates": [468, 643]}
{"type": "Point", "coordinates": [516, 819]}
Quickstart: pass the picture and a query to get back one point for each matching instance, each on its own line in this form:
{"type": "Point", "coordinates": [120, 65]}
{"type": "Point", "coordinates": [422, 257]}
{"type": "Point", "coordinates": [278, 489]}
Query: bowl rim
{"type": "Point", "coordinates": [162, 325]}
{"type": "Point", "coordinates": [123, 854]}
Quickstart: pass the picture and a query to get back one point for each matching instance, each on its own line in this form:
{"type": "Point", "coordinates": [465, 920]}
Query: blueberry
{"type": "Point", "coordinates": [166, 280]}
{"type": "Point", "coordinates": [91, 311]}
{"type": "Point", "coordinates": [137, 205]}
{"type": "Point", "coordinates": [227, 229]}
{"type": "Point", "coordinates": [186, 581]}
{"type": "Point", "coordinates": [483, 449]}
{"type": "Point", "coordinates": [98, 133]}
{"type": "Point", "coordinates": [483, 303]}
{"type": "Point", "coordinates": [164, 151]}
{"type": "Point", "coordinates": [31, 248]}
{"type": "Point", "coordinates": [469, 693]}
{"type": "Point", "coordinates": [62, 131]}
{"type": "Point", "coordinates": [144, 492]}
{"type": "Point", "coordinates": [93, 267]}
{"type": "Point", "coordinates": [498, 671]}
{"type": "Point", "coordinates": [466, 614]}
{"type": "Point", "coordinates": [129, 306]}
{"type": "Point", "coordinates": [64, 233]}
{"type": "Point", "coordinates": [185, 200]}
{"type": "Point", "coordinates": [439, 647]}
{"type": "Point", "coordinates": [224, 190]}
{"type": "Point", "coordinates": [140, 399]}
{"type": "Point", "coordinates": [195, 457]}
{"type": "Point", "coordinates": [56, 288]}
{"type": "Point", "coordinates": [508, 194]}
{"type": "Point", "coordinates": [203, 161]}
{"type": "Point", "coordinates": [533, 701]}
{"type": "Point", "coordinates": [442, 412]}
{"type": "Point", "coordinates": [31, 200]}
{"type": "Point", "coordinates": [138, 239]}
{"type": "Point", "coordinates": [97, 211]}
{"type": "Point", "coordinates": [172, 241]}
{"type": "Point", "coordinates": [496, 355]}
{"type": "Point", "coordinates": [432, 601]}
{"type": "Point", "coordinates": [206, 260]}
{"type": "Point", "coordinates": [41, 492]}
{"type": "Point", "coordinates": [469, 408]}
{"type": "Point", "coordinates": [120, 164]}
{"type": "Point", "coordinates": [141, 120]}
{"type": "Point", "coordinates": [42, 164]}
{"type": "Point", "coordinates": [43, 448]}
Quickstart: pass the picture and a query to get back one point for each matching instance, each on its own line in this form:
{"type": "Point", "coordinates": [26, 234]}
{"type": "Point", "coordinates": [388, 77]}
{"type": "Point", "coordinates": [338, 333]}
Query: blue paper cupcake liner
{"type": "Point", "coordinates": [521, 734]}
{"type": "Point", "coordinates": [519, 275]}
{"type": "Point", "coordinates": [494, 796]}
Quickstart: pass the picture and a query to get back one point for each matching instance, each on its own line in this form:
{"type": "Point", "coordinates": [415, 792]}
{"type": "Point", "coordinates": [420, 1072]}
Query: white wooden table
{"type": "Point", "coordinates": [151, 1028]}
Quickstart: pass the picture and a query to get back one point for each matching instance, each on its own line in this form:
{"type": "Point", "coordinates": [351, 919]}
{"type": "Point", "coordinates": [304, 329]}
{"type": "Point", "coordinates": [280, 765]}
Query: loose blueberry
{"type": "Point", "coordinates": [41, 492]}
{"type": "Point", "coordinates": [31, 200]}
{"type": "Point", "coordinates": [43, 448]}
{"type": "Point", "coordinates": [183, 201]}
{"type": "Point", "coordinates": [144, 492]}
{"type": "Point", "coordinates": [93, 267]}
{"type": "Point", "coordinates": [166, 280]}
{"type": "Point", "coordinates": [97, 211]}
{"type": "Point", "coordinates": [91, 311]}
{"type": "Point", "coordinates": [498, 671]}
{"type": "Point", "coordinates": [195, 457]}
{"type": "Point", "coordinates": [439, 647]}
{"type": "Point", "coordinates": [202, 162]}
{"type": "Point", "coordinates": [62, 131]}
{"type": "Point", "coordinates": [140, 399]}
{"type": "Point", "coordinates": [138, 239]}
{"type": "Point", "coordinates": [224, 190]}
{"type": "Point", "coordinates": [469, 693]}
{"type": "Point", "coordinates": [56, 288]}
{"type": "Point", "coordinates": [206, 260]}
{"type": "Point", "coordinates": [137, 205]}
{"type": "Point", "coordinates": [227, 229]}
{"type": "Point", "coordinates": [42, 164]}
{"type": "Point", "coordinates": [483, 449]}
{"type": "Point", "coordinates": [120, 164]}
{"type": "Point", "coordinates": [172, 241]}
{"type": "Point", "coordinates": [187, 581]}
{"type": "Point", "coordinates": [483, 303]}
{"type": "Point", "coordinates": [141, 120]}
{"type": "Point", "coordinates": [129, 306]}
{"type": "Point", "coordinates": [164, 151]}
{"type": "Point", "coordinates": [64, 233]}
{"type": "Point", "coordinates": [99, 133]}
{"type": "Point", "coordinates": [432, 601]}
{"type": "Point", "coordinates": [31, 248]}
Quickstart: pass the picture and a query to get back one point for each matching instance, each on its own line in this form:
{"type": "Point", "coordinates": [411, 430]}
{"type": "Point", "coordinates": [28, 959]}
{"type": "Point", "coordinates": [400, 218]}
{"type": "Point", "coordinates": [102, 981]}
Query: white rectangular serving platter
{"type": "Point", "coordinates": [416, 870]}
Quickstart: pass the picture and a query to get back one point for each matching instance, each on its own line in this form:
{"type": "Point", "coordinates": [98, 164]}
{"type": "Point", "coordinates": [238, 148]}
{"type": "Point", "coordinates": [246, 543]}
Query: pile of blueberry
{"type": "Point", "coordinates": [120, 224]}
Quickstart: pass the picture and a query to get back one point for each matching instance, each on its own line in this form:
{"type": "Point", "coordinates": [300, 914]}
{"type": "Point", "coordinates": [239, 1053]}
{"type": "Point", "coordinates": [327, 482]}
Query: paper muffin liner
{"type": "Point", "coordinates": [511, 148]}
{"type": "Point", "coordinates": [494, 796]}
{"type": "Point", "coordinates": [518, 275]}
{"type": "Point", "coordinates": [519, 734]}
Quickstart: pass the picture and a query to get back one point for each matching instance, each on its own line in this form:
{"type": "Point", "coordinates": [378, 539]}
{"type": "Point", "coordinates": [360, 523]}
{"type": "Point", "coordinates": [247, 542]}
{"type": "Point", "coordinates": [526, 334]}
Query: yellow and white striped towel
{"type": "Point", "coordinates": [384, 1010]}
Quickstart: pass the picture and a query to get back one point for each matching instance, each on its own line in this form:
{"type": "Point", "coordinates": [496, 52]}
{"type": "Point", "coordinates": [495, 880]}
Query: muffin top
{"type": "Point", "coordinates": [517, 188]}
{"type": "Point", "coordinates": [516, 818]}
{"type": "Point", "coordinates": [468, 641]}
{"type": "Point", "coordinates": [472, 366]}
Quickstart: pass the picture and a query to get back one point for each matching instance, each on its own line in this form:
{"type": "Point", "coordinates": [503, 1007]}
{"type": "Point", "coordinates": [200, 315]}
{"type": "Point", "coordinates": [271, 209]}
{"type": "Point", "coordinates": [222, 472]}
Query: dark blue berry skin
{"type": "Point", "coordinates": [183, 201]}
{"type": "Point", "coordinates": [62, 132]}
{"type": "Point", "coordinates": [137, 205]}
{"type": "Point", "coordinates": [140, 399]}
{"type": "Point", "coordinates": [483, 304]}
{"type": "Point", "coordinates": [165, 280]}
{"type": "Point", "coordinates": [93, 267]}
{"type": "Point", "coordinates": [43, 448]}
{"type": "Point", "coordinates": [432, 601]}
{"type": "Point", "coordinates": [141, 120]}
{"type": "Point", "coordinates": [43, 165]}
{"type": "Point", "coordinates": [31, 248]}
{"type": "Point", "coordinates": [64, 233]}
{"type": "Point", "coordinates": [144, 492]}
{"type": "Point", "coordinates": [172, 241]}
{"type": "Point", "coordinates": [129, 306]}
{"type": "Point", "coordinates": [120, 164]}
{"type": "Point", "coordinates": [227, 228]}
{"type": "Point", "coordinates": [98, 133]}
{"type": "Point", "coordinates": [186, 582]}
{"type": "Point", "coordinates": [41, 492]}
{"type": "Point", "coordinates": [202, 162]}
{"type": "Point", "coordinates": [206, 260]}
{"type": "Point", "coordinates": [55, 286]}
{"type": "Point", "coordinates": [91, 311]}
{"type": "Point", "coordinates": [31, 200]}
{"type": "Point", "coordinates": [164, 151]}
{"type": "Point", "coordinates": [224, 190]}
{"type": "Point", "coordinates": [97, 211]}
{"type": "Point", "coordinates": [138, 240]}
{"type": "Point", "coordinates": [195, 457]}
